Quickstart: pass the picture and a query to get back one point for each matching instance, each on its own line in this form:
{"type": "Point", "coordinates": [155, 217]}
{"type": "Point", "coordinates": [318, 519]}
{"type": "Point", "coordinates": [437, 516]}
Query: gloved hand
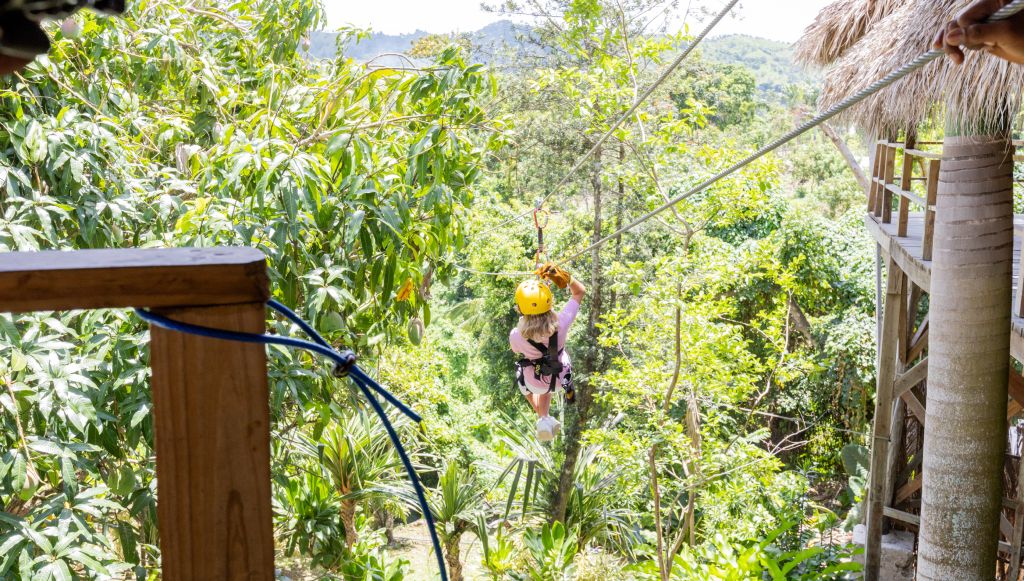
{"type": "Point", "coordinates": [555, 274]}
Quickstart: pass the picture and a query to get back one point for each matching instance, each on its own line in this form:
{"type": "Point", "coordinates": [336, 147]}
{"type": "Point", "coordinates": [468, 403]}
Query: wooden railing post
{"type": "Point", "coordinates": [906, 183]}
{"type": "Point", "coordinates": [211, 418]}
{"type": "Point", "coordinates": [932, 185]}
{"type": "Point", "coordinates": [875, 174]}
{"type": "Point", "coordinates": [210, 399]}
{"type": "Point", "coordinates": [885, 211]}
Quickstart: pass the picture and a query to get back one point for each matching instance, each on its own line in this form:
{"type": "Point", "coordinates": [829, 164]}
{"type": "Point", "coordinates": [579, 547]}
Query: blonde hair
{"type": "Point", "coordinates": [538, 328]}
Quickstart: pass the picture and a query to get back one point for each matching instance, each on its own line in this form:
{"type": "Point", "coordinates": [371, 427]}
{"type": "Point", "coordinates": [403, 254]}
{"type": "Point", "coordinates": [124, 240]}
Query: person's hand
{"type": "Point", "coordinates": [1004, 39]}
{"type": "Point", "coordinates": [552, 272]}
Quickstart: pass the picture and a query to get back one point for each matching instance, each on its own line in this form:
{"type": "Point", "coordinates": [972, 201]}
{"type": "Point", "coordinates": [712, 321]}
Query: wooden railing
{"type": "Point", "coordinates": [884, 187]}
{"type": "Point", "coordinates": [211, 413]}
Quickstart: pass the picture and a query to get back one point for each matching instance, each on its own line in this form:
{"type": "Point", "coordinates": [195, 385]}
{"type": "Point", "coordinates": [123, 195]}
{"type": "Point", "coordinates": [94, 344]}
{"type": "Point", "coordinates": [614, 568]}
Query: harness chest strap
{"type": "Point", "coordinates": [553, 364]}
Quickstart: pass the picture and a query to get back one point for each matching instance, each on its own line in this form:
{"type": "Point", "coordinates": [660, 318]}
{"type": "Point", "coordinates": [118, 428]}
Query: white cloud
{"type": "Point", "coordinates": [776, 19]}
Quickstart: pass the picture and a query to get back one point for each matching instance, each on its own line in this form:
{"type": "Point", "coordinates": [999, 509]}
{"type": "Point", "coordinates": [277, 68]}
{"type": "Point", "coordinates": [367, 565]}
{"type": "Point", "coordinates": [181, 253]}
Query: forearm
{"type": "Point", "coordinates": [578, 290]}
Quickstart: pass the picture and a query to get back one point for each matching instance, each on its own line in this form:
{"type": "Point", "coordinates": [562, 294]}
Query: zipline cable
{"type": "Point", "coordinates": [919, 62]}
{"type": "Point", "coordinates": [629, 113]}
{"type": "Point", "coordinates": [639, 101]}
{"type": "Point", "coordinates": [345, 365]}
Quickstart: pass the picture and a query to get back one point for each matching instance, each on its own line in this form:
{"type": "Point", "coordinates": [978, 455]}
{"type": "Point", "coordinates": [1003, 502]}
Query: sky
{"type": "Point", "coordinates": [775, 19]}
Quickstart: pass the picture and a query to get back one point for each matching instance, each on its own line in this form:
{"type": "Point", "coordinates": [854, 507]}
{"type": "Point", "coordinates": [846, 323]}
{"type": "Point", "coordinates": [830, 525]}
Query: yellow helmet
{"type": "Point", "coordinates": [533, 297]}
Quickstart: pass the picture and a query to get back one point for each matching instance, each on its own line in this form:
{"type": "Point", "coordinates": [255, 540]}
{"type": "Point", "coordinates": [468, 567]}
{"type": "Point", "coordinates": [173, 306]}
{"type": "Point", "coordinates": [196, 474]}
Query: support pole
{"type": "Point", "coordinates": [212, 423]}
{"type": "Point", "coordinates": [887, 353]}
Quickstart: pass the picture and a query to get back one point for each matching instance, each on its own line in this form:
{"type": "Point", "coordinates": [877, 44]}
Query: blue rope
{"type": "Point", "coordinates": [345, 361]}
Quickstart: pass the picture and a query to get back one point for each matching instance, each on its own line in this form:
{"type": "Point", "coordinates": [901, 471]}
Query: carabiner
{"type": "Point", "coordinates": [537, 214]}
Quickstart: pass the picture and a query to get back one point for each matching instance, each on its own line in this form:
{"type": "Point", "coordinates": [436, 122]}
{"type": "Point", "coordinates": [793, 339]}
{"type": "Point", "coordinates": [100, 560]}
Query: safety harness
{"type": "Point", "coordinates": [548, 364]}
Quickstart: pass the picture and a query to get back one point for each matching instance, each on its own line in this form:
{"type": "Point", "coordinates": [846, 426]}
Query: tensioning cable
{"type": "Point", "coordinates": [344, 365]}
{"type": "Point", "coordinates": [919, 62]}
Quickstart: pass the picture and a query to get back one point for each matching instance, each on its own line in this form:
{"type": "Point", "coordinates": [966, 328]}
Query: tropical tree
{"type": "Point", "coordinates": [456, 504]}
{"type": "Point", "coordinates": [357, 455]}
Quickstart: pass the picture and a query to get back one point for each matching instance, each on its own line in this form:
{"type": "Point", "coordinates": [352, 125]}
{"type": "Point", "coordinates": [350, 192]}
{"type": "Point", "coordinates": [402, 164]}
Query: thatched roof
{"type": "Point", "coordinates": [982, 90]}
{"type": "Point", "coordinates": [838, 27]}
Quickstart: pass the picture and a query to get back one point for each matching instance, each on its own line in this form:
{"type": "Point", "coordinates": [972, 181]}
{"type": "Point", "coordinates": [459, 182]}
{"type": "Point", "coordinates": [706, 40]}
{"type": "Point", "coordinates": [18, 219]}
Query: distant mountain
{"type": "Point", "coordinates": [771, 62]}
{"type": "Point", "coordinates": [487, 42]}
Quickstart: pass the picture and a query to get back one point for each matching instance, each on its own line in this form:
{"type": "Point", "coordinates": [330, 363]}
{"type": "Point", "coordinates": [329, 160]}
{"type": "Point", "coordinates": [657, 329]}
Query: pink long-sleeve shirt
{"type": "Point", "coordinates": [520, 345]}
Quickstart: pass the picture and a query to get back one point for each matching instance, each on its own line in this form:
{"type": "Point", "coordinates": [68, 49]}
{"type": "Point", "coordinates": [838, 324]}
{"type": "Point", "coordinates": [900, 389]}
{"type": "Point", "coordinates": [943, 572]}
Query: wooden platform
{"type": "Point", "coordinates": [906, 251]}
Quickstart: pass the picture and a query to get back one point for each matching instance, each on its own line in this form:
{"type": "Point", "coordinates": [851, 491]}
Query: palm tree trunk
{"type": "Point", "coordinates": [452, 557]}
{"type": "Point", "coordinates": [348, 522]}
{"type": "Point", "coordinates": [965, 426]}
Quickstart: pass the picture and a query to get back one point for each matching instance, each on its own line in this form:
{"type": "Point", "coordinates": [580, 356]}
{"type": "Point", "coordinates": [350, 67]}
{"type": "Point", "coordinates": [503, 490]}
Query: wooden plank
{"type": "Point", "coordinates": [918, 271]}
{"type": "Point", "coordinates": [906, 195]}
{"type": "Point", "coordinates": [895, 447]}
{"type": "Point", "coordinates": [932, 187]}
{"type": "Point", "coordinates": [933, 155]}
{"type": "Point", "coordinates": [904, 517]}
{"type": "Point", "coordinates": [1005, 527]}
{"type": "Point", "coordinates": [92, 279]}
{"type": "Point", "coordinates": [211, 416]}
{"type": "Point", "coordinates": [895, 294]}
{"type": "Point", "coordinates": [907, 490]}
{"type": "Point", "coordinates": [920, 341]}
{"type": "Point", "coordinates": [914, 405]}
{"type": "Point", "coordinates": [907, 381]}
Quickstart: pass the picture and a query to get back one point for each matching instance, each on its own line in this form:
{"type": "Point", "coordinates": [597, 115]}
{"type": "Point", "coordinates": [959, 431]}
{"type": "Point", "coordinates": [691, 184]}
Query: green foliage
{"type": "Point", "coordinates": [762, 559]}
{"type": "Point", "coordinates": [551, 552]}
{"type": "Point", "coordinates": [369, 188]}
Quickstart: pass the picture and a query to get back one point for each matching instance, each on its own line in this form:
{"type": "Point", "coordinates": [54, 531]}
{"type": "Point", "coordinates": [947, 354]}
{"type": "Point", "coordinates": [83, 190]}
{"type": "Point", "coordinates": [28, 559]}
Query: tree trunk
{"type": "Point", "coordinates": [452, 557]}
{"type": "Point", "coordinates": [578, 421]}
{"type": "Point", "coordinates": [968, 361]}
{"type": "Point", "coordinates": [847, 153]}
{"type": "Point", "coordinates": [348, 522]}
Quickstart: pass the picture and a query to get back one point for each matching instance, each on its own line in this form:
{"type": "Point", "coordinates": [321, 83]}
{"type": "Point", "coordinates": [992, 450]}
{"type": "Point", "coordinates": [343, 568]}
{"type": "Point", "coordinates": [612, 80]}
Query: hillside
{"type": "Point", "coordinates": [771, 62]}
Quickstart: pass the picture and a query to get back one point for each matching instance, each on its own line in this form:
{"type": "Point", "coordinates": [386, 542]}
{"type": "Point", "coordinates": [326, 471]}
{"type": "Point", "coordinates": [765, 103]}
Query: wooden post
{"type": "Point", "coordinates": [212, 423]}
{"type": "Point", "coordinates": [932, 184]}
{"type": "Point", "coordinates": [882, 421]}
{"type": "Point", "coordinates": [887, 176]}
{"type": "Point", "coordinates": [906, 183]}
{"type": "Point", "coordinates": [210, 399]}
{"type": "Point", "coordinates": [875, 174]}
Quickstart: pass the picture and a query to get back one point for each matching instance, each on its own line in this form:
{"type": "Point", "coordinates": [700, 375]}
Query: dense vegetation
{"type": "Point", "coordinates": [724, 355]}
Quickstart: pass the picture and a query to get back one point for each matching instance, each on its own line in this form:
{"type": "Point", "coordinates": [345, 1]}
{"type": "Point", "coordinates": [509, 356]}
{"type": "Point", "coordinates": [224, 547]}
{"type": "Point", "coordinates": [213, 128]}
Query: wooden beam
{"type": "Point", "coordinates": [899, 412]}
{"type": "Point", "coordinates": [905, 194]}
{"type": "Point", "coordinates": [872, 186]}
{"type": "Point", "coordinates": [919, 341]}
{"type": "Point", "coordinates": [895, 294]}
{"type": "Point", "coordinates": [888, 171]}
{"type": "Point", "coordinates": [908, 490]}
{"type": "Point", "coordinates": [904, 517]}
{"type": "Point", "coordinates": [932, 187]}
{"type": "Point", "coordinates": [92, 279]}
{"type": "Point", "coordinates": [211, 417]}
{"type": "Point", "coordinates": [914, 405]}
{"type": "Point", "coordinates": [907, 381]}
{"type": "Point", "coordinates": [1016, 386]}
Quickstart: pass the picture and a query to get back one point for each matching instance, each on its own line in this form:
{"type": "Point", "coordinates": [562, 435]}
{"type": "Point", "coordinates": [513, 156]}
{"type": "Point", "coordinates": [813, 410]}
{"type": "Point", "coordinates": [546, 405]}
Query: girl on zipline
{"type": "Point", "coordinates": [540, 340]}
